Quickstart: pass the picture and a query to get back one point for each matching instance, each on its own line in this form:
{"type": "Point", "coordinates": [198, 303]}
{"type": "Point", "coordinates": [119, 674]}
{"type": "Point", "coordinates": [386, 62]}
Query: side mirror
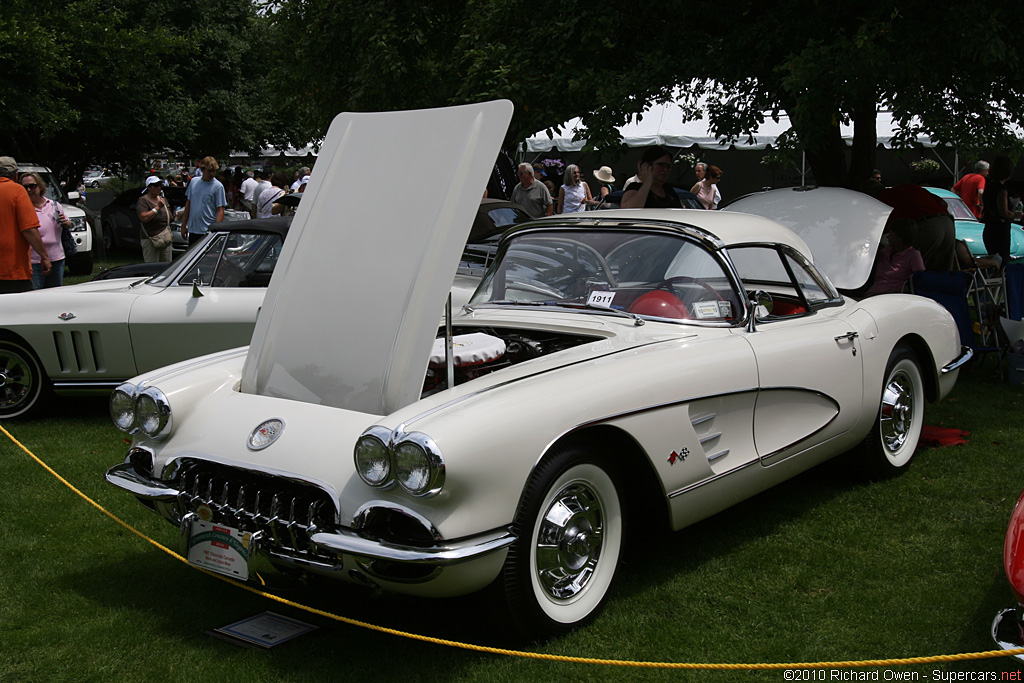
{"type": "Point", "coordinates": [761, 305]}
{"type": "Point", "coordinates": [195, 286]}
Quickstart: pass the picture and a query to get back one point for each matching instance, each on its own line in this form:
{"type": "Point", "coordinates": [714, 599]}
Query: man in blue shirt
{"type": "Point", "coordinates": [204, 202]}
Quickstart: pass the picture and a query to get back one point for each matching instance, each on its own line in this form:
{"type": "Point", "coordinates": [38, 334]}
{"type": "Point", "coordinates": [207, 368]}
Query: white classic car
{"type": "Point", "coordinates": [613, 369]}
{"type": "Point", "coordinates": [89, 338]}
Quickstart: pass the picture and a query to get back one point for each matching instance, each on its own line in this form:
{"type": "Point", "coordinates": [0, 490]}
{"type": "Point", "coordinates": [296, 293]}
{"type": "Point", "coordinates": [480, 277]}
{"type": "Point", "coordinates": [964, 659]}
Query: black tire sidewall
{"type": "Point", "coordinates": [40, 389]}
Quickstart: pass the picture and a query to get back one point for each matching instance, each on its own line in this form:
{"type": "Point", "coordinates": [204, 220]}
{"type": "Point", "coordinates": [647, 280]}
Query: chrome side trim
{"type": "Point", "coordinates": [709, 437]}
{"type": "Point", "coordinates": [85, 386]}
{"type": "Point", "coordinates": [966, 353]}
{"type": "Point", "coordinates": [703, 482]}
{"type": "Point", "coordinates": [347, 542]}
{"type": "Point", "coordinates": [715, 456]}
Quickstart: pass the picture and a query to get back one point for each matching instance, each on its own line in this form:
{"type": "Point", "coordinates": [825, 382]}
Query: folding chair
{"type": "Point", "coordinates": [953, 291]}
{"type": "Point", "coordinates": [1013, 275]}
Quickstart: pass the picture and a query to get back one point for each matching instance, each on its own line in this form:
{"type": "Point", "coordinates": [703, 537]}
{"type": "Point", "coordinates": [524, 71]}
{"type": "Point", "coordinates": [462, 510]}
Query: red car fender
{"type": "Point", "coordinates": [1013, 550]}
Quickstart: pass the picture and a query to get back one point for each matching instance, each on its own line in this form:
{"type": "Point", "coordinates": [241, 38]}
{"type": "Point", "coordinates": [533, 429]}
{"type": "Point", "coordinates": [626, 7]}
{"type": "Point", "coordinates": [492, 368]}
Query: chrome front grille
{"type": "Point", "coordinates": [288, 512]}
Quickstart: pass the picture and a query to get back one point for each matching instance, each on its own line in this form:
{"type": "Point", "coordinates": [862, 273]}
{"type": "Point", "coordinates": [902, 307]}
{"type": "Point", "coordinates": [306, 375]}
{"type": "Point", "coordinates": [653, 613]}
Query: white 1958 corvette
{"type": "Point", "coordinates": [612, 368]}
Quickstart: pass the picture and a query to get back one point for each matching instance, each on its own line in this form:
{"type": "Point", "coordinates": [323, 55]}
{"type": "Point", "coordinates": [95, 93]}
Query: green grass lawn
{"type": "Point", "coordinates": [824, 567]}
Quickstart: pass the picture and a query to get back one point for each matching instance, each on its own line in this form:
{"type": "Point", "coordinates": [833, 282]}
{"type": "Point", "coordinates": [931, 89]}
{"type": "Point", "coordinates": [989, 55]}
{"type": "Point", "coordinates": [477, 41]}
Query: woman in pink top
{"type": "Point", "coordinates": [898, 261]}
{"type": "Point", "coordinates": [51, 220]}
{"type": "Point", "coordinates": [705, 189]}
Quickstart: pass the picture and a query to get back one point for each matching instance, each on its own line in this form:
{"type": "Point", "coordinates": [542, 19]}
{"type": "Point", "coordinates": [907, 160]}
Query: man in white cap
{"type": "Point", "coordinates": [19, 231]}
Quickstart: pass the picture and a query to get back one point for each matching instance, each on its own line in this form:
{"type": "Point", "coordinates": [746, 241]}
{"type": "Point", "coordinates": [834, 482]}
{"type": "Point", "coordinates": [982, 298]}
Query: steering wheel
{"type": "Point", "coordinates": [667, 284]}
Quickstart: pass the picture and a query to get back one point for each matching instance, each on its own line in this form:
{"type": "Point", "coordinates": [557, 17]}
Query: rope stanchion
{"type": "Point", "coordinates": [707, 666]}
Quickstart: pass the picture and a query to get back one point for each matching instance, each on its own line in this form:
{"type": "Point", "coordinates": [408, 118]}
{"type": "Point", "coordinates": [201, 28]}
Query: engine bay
{"type": "Point", "coordinates": [480, 351]}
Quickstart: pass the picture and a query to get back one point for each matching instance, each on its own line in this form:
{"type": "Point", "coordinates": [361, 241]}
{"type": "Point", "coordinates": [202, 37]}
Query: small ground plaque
{"type": "Point", "coordinates": [263, 630]}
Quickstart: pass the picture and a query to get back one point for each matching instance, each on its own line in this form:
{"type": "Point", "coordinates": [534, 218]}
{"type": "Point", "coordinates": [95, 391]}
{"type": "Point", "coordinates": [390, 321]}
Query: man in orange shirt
{"type": "Point", "coordinates": [971, 188]}
{"type": "Point", "coordinates": [19, 230]}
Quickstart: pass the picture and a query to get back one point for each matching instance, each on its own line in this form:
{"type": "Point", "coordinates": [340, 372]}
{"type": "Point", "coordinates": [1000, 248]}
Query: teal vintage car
{"type": "Point", "coordinates": [969, 229]}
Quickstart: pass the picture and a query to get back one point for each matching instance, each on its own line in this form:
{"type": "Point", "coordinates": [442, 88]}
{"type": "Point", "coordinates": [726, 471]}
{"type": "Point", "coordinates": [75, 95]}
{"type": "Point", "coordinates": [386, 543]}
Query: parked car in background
{"type": "Point", "coordinates": [120, 220]}
{"type": "Point", "coordinates": [614, 371]}
{"type": "Point", "coordinates": [122, 227]}
{"type": "Point", "coordinates": [971, 230]}
{"type": "Point", "coordinates": [88, 338]}
{"type": "Point", "coordinates": [97, 178]}
{"type": "Point", "coordinates": [81, 262]}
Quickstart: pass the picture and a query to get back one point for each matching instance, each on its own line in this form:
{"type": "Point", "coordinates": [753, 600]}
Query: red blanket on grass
{"type": "Point", "coordinates": [939, 437]}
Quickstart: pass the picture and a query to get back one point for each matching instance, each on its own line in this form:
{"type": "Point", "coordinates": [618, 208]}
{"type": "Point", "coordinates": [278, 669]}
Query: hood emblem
{"type": "Point", "coordinates": [265, 434]}
{"type": "Point", "coordinates": [66, 316]}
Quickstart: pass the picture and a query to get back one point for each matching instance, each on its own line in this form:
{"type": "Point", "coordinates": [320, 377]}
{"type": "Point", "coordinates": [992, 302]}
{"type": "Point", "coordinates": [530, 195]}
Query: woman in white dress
{"type": "Point", "coordinates": [574, 195]}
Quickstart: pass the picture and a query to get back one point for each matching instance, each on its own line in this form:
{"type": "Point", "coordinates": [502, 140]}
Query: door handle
{"type": "Point", "coordinates": [849, 336]}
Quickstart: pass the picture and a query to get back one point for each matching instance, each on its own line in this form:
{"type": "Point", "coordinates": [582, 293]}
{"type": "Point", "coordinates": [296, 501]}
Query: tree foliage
{"type": "Point", "coordinates": [821, 63]}
{"type": "Point", "coordinates": [113, 80]}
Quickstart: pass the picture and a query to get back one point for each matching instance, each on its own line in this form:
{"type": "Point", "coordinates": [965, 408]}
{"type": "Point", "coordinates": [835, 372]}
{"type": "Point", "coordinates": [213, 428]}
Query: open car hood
{"type": "Point", "coordinates": [841, 227]}
{"type": "Point", "coordinates": [352, 310]}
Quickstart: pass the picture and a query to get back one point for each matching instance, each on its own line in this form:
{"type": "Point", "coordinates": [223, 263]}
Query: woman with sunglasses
{"type": "Point", "coordinates": [652, 191]}
{"type": "Point", "coordinates": [51, 221]}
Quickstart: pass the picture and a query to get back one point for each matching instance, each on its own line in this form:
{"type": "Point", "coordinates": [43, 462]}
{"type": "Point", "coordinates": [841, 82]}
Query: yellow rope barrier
{"type": "Point", "coordinates": [720, 666]}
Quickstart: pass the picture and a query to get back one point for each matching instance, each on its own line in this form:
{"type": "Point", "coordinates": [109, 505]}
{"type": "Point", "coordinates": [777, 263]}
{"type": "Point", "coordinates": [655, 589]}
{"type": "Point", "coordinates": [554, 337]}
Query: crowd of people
{"type": "Point", "coordinates": [650, 188]}
{"type": "Point", "coordinates": [920, 233]}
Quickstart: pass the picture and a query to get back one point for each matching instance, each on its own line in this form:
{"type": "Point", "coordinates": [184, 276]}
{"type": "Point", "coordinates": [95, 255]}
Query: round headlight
{"type": "Point", "coordinates": [122, 407]}
{"type": "Point", "coordinates": [152, 411]}
{"type": "Point", "coordinates": [419, 468]}
{"type": "Point", "coordinates": [373, 461]}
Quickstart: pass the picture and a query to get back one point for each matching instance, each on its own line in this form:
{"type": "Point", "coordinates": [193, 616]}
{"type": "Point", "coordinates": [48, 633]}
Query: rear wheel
{"type": "Point", "coordinates": [23, 387]}
{"type": "Point", "coordinates": [569, 532]}
{"type": "Point", "coordinates": [890, 446]}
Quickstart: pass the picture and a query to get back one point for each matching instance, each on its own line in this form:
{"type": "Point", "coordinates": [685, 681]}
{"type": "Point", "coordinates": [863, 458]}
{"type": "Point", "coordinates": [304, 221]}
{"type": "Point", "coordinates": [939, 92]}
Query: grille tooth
{"type": "Point", "coordinates": [292, 524]}
{"type": "Point", "coordinates": [275, 506]}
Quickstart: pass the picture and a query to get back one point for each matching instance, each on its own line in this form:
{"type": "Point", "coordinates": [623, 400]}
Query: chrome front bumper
{"type": "Point", "coordinates": [1007, 630]}
{"type": "Point", "coordinates": [341, 541]}
{"type": "Point", "coordinates": [966, 353]}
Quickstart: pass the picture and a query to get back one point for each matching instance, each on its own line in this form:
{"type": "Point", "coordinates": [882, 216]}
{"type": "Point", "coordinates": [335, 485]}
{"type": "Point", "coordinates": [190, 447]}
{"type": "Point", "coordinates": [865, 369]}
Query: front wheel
{"type": "Point", "coordinates": [890, 446]}
{"type": "Point", "coordinates": [23, 387]}
{"type": "Point", "coordinates": [569, 530]}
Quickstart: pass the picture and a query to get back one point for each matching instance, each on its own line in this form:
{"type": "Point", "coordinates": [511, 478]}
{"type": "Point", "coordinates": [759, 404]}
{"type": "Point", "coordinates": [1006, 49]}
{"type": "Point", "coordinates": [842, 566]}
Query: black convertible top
{"type": "Point", "coordinates": [277, 224]}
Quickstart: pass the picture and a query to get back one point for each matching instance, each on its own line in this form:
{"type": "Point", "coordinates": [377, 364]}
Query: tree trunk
{"type": "Point", "coordinates": [865, 142]}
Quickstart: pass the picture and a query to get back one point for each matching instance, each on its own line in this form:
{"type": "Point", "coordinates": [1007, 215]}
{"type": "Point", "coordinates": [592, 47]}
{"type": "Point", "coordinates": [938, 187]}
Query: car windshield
{"type": "Point", "coordinates": [229, 259]}
{"type": "Point", "coordinates": [650, 274]}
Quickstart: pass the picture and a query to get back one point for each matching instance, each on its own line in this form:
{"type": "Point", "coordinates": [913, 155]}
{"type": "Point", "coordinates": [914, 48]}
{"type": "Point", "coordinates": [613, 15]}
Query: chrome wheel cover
{"type": "Point", "coordinates": [17, 380]}
{"type": "Point", "coordinates": [897, 414]}
{"type": "Point", "coordinates": [569, 541]}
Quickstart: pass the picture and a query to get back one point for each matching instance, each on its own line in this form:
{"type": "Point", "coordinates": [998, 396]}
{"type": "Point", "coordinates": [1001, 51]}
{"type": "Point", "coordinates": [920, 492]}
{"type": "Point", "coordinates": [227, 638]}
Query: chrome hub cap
{"type": "Point", "coordinates": [569, 542]}
{"type": "Point", "coordinates": [15, 380]}
{"type": "Point", "coordinates": [897, 411]}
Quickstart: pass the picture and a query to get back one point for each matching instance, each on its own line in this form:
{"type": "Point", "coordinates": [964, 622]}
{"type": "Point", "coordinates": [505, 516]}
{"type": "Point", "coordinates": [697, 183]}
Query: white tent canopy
{"type": "Point", "coordinates": [662, 124]}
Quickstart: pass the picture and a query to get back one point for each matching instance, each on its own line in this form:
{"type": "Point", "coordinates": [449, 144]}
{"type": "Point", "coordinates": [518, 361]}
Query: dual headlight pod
{"type": "Point", "coordinates": [412, 460]}
{"type": "Point", "coordinates": [145, 410]}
